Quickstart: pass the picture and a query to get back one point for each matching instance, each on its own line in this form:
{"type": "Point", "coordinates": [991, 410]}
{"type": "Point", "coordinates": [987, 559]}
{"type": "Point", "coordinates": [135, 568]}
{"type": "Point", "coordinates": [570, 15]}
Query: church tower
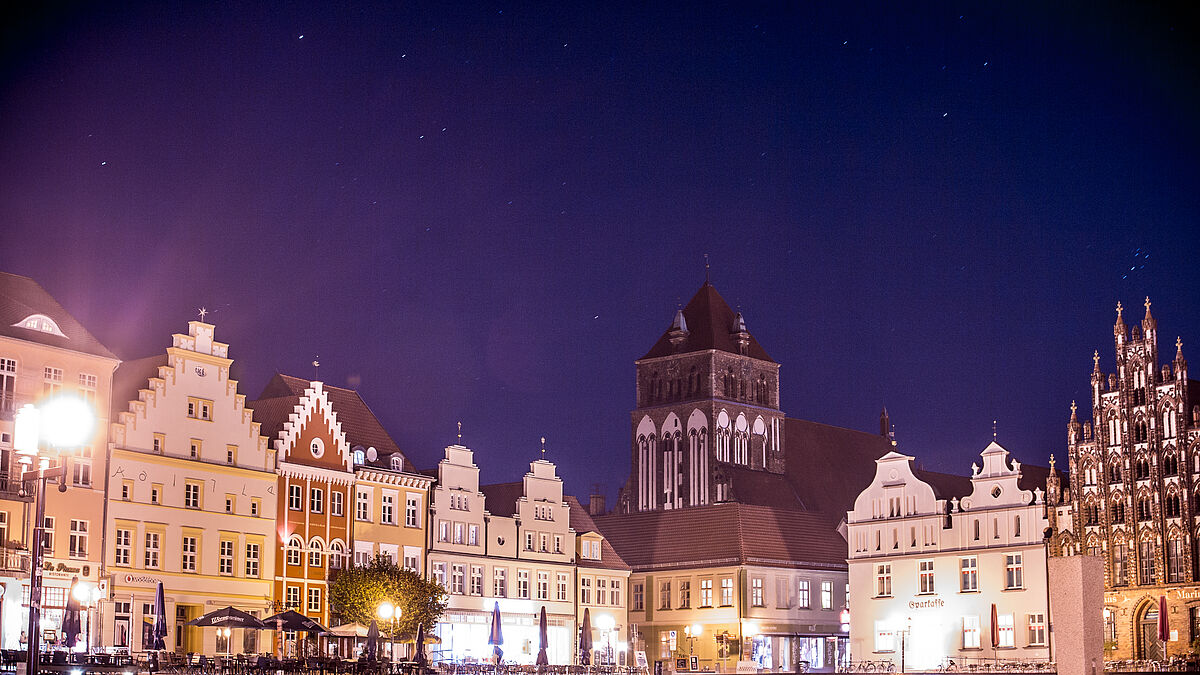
{"type": "Point", "coordinates": [707, 405]}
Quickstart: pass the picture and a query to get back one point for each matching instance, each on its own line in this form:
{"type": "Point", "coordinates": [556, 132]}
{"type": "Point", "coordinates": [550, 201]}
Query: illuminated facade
{"type": "Point", "coordinates": [509, 544]}
{"type": "Point", "coordinates": [191, 499]}
{"type": "Point", "coordinates": [313, 495]}
{"type": "Point", "coordinates": [45, 351]}
{"type": "Point", "coordinates": [1134, 497]}
{"type": "Point", "coordinates": [932, 555]}
{"type": "Point", "coordinates": [602, 580]}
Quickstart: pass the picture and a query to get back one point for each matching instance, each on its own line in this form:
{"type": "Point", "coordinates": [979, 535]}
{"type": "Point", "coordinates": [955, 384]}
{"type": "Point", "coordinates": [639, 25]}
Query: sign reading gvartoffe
{"type": "Point", "coordinates": [926, 603]}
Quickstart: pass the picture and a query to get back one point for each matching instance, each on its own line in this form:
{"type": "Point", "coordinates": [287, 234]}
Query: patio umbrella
{"type": "Point", "coordinates": [1164, 625]}
{"type": "Point", "coordinates": [160, 618]}
{"type": "Point", "coordinates": [349, 630]}
{"type": "Point", "coordinates": [496, 637]}
{"type": "Point", "coordinates": [228, 617]}
{"type": "Point", "coordinates": [293, 620]}
{"type": "Point", "coordinates": [70, 622]}
{"type": "Point", "coordinates": [995, 628]}
{"type": "Point", "coordinates": [585, 639]}
{"type": "Point", "coordinates": [372, 646]}
{"type": "Point", "coordinates": [543, 639]}
{"type": "Point", "coordinates": [420, 646]}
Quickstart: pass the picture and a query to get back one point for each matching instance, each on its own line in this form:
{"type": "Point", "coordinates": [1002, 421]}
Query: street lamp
{"type": "Point", "coordinates": [40, 433]}
{"type": "Point", "coordinates": [88, 594]}
{"type": "Point", "coordinates": [607, 625]}
{"type": "Point", "coordinates": [389, 611]}
{"type": "Point", "coordinates": [692, 632]}
{"type": "Point", "coordinates": [226, 633]}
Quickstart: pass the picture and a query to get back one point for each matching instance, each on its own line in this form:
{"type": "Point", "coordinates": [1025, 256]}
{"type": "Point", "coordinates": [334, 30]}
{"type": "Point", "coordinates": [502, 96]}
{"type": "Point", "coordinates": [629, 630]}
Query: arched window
{"type": "Point", "coordinates": [1091, 514]}
{"type": "Point", "coordinates": [360, 457]}
{"type": "Point", "coordinates": [295, 544]}
{"type": "Point", "coordinates": [1142, 469]}
{"type": "Point", "coordinates": [397, 463]}
{"type": "Point", "coordinates": [1143, 508]}
{"type": "Point", "coordinates": [1114, 472]}
{"type": "Point", "coordinates": [315, 551]}
{"type": "Point", "coordinates": [1170, 465]}
{"type": "Point", "coordinates": [1172, 505]}
{"type": "Point", "coordinates": [1118, 512]}
{"type": "Point", "coordinates": [337, 555]}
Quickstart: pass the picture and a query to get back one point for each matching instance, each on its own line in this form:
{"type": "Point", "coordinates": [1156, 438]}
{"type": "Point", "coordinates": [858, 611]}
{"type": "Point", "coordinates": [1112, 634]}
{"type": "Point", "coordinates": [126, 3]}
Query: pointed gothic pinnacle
{"type": "Point", "coordinates": [1073, 417]}
{"type": "Point", "coordinates": [1051, 462]}
{"type": "Point", "coordinates": [1096, 361]}
{"type": "Point", "coordinates": [1178, 347]}
{"type": "Point", "coordinates": [1119, 309]}
{"type": "Point", "coordinates": [1147, 307]}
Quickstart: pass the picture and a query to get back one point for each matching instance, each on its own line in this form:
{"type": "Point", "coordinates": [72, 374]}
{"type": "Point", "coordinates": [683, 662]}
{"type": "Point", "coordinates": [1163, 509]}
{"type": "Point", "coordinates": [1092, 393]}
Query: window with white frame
{"type": "Point", "coordinates": [387, 508]}
{"type": "Point", "coordinates": [756, 592]}
{"type": "Point", "coordinates": [294, 548]}
{"type": "Point", "coordinates": [601, 591]}
{"type": "Point", "coordinates": [1013, 571]}
{"type": "Point", "coordinates": [803, 596]}
{"type": "Point", "coordinates": [706, 592]}
{"type": "Point", "coordinates": [314, 599]}
{"type": "Point", "coordinates": [252, 552]}
{"type": "Point", "coordinates": [48, 534]}
{"type": "Point", "coordinates": [124, 546]}
{"type": "Point", "coordinates": [191, 495]}
{"type": "Point", "coordinates": [81, 467]}
{"type": "Point", "coordinates": [614, 592]}
{"type": "Point", "coordinates": [543, 585]}
{"type": "Point", "coordinates": [412, 507]}
{"type": "Point", "coordinates": [924, 577]}
{"type": "Point", "coordinates": [664, 595]}
{"type": "Point", "coordinates": [457, 578]}
{"type": "Point", "coordinates": [1005, 624]}
{"type": "Point", "coordinates": [316, 500]}
{"type": "Point", "coordinates": [315, 552]}
{"type": "Point", "coordinates": [8, 385]}
{"type": "Point", "coordinates": [362, 505]}
{"type": "Point", "coordinates": [968, 574]}
{"type": "Point", "coordinates": [458, 533]}
{"type": "Point", "coordinates": [1037, 629]}
{"type": "Point", "coordinates": [439, 573]}
{"type": "Point", "coordinates": [561, 587]}
{"type": "Point", "coordinates": [151, 558]}
{"type": "Point", "coordinates": [87, 387]}
{"type": "Point", "coordinates": [79, 539]}
{"type": "Point", "coordinates": [476, 580]}
{"type": "Point", "coordinates": [826, 595]}
{"type": "Point", "coordinates": [637, 600]}
{"type": "Point", "coordinates": [727, 592]}
{"type": "Point", "coordinates": [225, 557]}
{"type": "Point", "coordinates": [473, 535]}
{"type": "Point", "coordinates": [500, 582]}
{"type": "Point", "coordinates": [523, 584]}
{"type": "Point", "coordinates": [52, 379]}
{"type": "Point", "coordinates": [336, 503]}
{"type": "Point", "coordinates": [443, 531]}
{"type": "Point", "coordinates": [970, 632]}
{"type": "Point", "coordinates": [295, 498]}
{"type": "Point", "coordinates": [189, 557]}
{"type": "Point", "coordinates": [291, 599]}
{"type": "Point", "coordinates": [412, 559]}
{"type": "Point", "coordinates": [883, 581]}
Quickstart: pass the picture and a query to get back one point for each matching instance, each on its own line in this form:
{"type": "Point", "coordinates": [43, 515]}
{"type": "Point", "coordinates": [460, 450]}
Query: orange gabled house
{"type": "Point", "coordinates": [313, 492]}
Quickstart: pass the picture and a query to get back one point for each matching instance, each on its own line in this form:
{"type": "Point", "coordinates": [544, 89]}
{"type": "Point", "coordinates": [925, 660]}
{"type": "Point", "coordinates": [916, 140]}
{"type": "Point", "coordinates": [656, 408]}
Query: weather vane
{"type": "Point", "coordinates": [317, 367]}
{"type": "Point", "coordinates": [203, 311]}
{"type": "Point", "coordinates": [460, 432]}
{"type": "Point", "coordinates": [543, 447]}
{"type": "Point", "coordinates": [706, 268]}
{"type": "Point", "coordinates": [993, 430]}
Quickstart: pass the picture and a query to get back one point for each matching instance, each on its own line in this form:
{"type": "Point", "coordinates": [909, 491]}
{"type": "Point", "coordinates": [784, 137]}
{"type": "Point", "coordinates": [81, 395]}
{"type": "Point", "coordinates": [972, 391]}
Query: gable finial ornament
{"type": "Point", "coordinates": [1096, 359]}
{"type": "Point", "coordinates": [1179, 344]}
{"type": "Point", "coordinates": [317, 367]}
{"type": "Point", "coordinates": [202, 312]}
{"type": "Point", "coordinates": [994, 430]}
{"type": "Point", "coordinates": [460, 433]}
{"type": "Point", "coordinates": [543, 447]}
{"type": "Point", "coordinates": [1119, 309]}
{"type": "Point", "coordinates": [1147, 303]}
{"type": "Point", "coordinates": [706, 268]}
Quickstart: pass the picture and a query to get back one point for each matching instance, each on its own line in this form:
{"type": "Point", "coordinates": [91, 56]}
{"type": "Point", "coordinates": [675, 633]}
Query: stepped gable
{"type": "Point", "coordinates": [829, 466]}
{"type": "Point", "coordinates": [22, 298]}
{"type": "Point", "coordinates": [733, 534]}
{"type": "Point", "coordinates": [581, 522]}
{"type": "Point", "coordinates": [279, 397]}
{"type": "Point", "coordinates": [710, 325]}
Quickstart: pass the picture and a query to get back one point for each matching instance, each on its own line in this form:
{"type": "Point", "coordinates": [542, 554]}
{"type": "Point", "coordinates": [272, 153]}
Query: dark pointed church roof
{"type": "Point", "coordinates": [710, 325]}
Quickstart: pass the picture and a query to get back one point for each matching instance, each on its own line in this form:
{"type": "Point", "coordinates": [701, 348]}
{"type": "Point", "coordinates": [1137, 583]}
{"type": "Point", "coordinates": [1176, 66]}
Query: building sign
{"type": "Point", "coordinates": [1187, 593]}
{"type": "Point", "coordinates": [927, 603]}
{"type": "Point", "coordinates": [140, 579]}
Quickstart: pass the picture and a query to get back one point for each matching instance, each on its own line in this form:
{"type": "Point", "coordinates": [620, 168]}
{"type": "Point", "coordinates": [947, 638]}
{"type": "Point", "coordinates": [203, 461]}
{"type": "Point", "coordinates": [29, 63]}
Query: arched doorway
{"type": "Point", "coordinates": [1148, 645]}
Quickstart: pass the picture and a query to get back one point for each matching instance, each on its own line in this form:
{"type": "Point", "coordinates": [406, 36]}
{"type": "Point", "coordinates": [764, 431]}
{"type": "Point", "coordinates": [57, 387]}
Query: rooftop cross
{"type": "Point", "coordinates": [1147, 303]}
{"type": "Point", "coordinates": [1119, 308]}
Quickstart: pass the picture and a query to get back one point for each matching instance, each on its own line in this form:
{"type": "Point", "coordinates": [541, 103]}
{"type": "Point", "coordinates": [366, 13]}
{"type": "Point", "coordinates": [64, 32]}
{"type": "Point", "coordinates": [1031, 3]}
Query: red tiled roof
{"type": "Point", "coordinates": [709, 323]}
{"type": "Point", "coordinates": [581, 521]}
{"type": "Point", "coordinates": [362, 427]}
{"type": "Point", "coordinates": [829, 466]}
{"type": "Point", "coordinates": [725, 534]}
{"type": "Point", "coordinates": [21, 297]}
{"type": "Point", "coordinates": [761, 488]}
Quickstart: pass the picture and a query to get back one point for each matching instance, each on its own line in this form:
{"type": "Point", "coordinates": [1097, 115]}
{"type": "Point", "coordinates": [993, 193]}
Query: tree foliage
{"type": "Point", "coordinates": [356, 593]}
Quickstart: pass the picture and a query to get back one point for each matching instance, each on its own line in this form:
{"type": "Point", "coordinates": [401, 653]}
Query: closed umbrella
{"type": "Point", "coordinates": [543, 639]}
{"type": "Point", "coordinates": [585, 639]}
{"type": "Point", "coordinates": [70, 622]}
{"type": "Point", "coordinates": [420, 647]}
{"type": "Point", "coordinates": [1164, 625]}
{"type": "Point", "coordinates": [496, 637]}
{"type": "Point", "coordinates": [372, 645]}
{"type": "Point", "coordinates": [160, 618]}
{"type": "Point", "coordinates": [995, 628]}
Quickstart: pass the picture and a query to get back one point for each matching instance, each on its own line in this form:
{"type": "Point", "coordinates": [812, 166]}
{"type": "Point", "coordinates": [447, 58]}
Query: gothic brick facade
{"type": "Point", "coordinates": [1134, 492]}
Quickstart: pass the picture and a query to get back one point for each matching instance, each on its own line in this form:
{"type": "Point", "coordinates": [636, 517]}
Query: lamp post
{"type": "Point", "coordinates": [607, 626]}
{"type": "Point", "coordinates": [387, 611]}
{"type": "Point", "coordinates": [88, 594]}
{"type": "Point", "coordinates": [40, 432]}
{"type": "Point", "coordinates": [692, 632]}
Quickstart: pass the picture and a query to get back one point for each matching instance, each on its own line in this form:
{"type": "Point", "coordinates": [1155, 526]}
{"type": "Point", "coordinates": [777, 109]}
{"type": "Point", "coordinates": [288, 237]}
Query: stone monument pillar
{"type": "Point", "coordinates": [1077, 614]}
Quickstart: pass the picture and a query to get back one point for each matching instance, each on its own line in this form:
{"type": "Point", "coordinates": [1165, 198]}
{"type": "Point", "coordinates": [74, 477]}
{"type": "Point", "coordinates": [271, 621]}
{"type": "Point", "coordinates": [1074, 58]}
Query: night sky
{"type": "Point", "coordinates": [487, 212]}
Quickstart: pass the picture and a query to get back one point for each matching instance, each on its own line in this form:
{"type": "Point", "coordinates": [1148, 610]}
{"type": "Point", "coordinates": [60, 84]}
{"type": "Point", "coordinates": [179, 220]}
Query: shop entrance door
{"type": "Point", "coordinates": [1150, 647]}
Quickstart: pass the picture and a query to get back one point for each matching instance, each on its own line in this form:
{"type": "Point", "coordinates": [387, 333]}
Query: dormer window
{"type": "Point", "coordinates": [360, 457]}
{"type": "Point", "coordinates": [397, 463]}
{"type": "Point", "coordinates": [40, 323]}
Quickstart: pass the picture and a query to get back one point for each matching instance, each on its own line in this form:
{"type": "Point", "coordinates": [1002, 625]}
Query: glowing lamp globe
{"type": "Point", "coordinates": [67, 421]}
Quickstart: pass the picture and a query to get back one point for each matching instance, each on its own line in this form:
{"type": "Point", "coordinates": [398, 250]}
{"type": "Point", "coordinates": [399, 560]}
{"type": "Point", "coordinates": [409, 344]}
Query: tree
{"type": "Point", "coordinates": [356, 593]}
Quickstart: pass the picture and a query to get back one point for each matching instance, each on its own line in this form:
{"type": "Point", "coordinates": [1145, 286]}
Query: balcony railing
{"type": "Point", "coordinates": [10, 486]}
{"type": "Point", "coordinates": [14, 560]}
